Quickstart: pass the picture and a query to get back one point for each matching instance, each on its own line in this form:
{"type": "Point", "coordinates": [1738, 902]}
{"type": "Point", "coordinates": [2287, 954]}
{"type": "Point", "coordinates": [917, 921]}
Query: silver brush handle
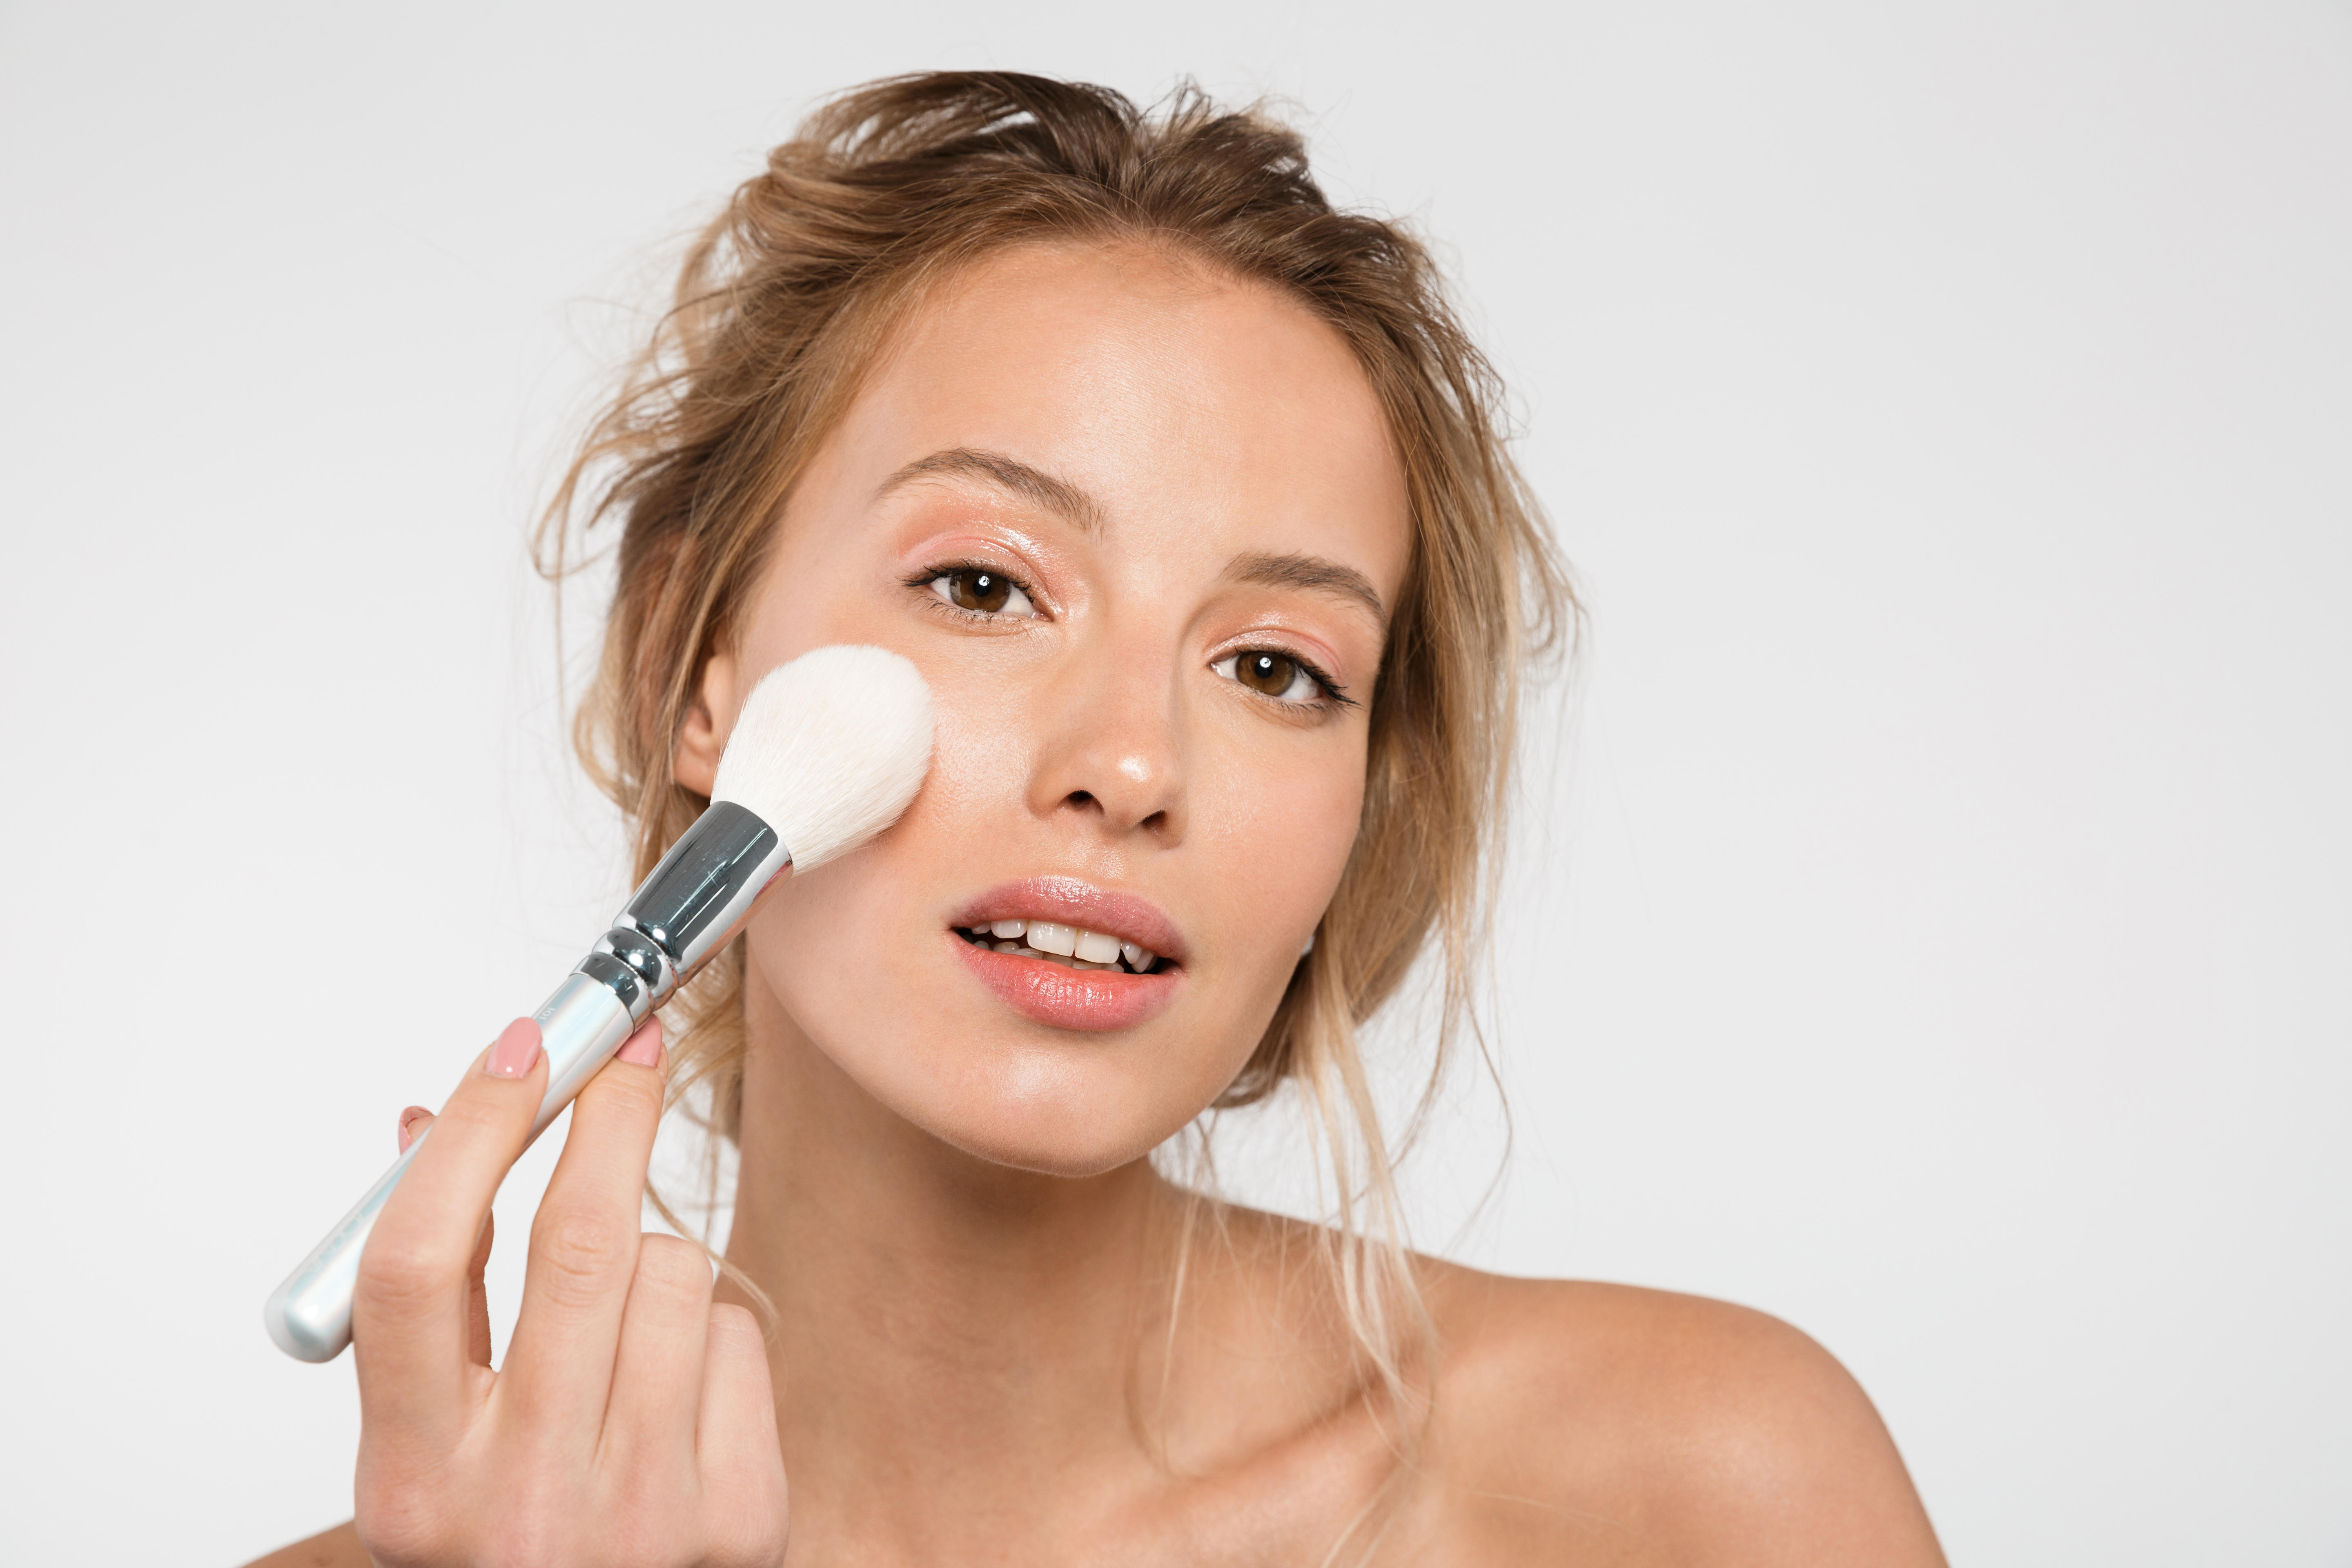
{"type": "Point", "coordinates": [309, 1316]}
{"type": "Point", "coordinates": [682, 915]}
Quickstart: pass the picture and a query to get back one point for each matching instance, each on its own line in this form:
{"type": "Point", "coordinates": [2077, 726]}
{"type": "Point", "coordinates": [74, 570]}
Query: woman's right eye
{"type": "Point", "coordinates": [984, 592]}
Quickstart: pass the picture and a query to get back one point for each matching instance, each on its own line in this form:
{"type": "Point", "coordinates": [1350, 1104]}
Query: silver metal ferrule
{"type": "Point", "coordinates": [689, 908]}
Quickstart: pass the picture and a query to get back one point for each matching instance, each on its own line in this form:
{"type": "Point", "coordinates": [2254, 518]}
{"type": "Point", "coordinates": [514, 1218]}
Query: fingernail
{"type": "Point", "coordinates": [408, 1120]}
{"type": "Point", "coordinates": [642, 1049]}
{"type": "Point", "coordinates": [516, 1051]}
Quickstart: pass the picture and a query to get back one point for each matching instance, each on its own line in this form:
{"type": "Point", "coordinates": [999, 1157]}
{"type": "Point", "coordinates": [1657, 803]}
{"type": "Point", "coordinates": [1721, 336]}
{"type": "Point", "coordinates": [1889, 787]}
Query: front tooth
{"type": "Point", "coordinates": [1046, 936]}
{"type": "Point", "coordinates": [1009, 927]}
{"type": "Point", "coordinates": [1138, 958]}
{"type": "Point", "coordinates": [1097, 948]}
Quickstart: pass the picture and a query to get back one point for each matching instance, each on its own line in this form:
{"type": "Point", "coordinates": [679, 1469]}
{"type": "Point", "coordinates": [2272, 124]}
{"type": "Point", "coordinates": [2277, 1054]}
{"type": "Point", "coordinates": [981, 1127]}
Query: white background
{"type": "Point", "coordinates": [1934, 927]}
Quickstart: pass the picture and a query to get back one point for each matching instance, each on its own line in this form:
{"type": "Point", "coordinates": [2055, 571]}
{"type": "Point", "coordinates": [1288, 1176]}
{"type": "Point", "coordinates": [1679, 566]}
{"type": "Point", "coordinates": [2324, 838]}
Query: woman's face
{"type": "Point", "coordinates": [1140, 526]}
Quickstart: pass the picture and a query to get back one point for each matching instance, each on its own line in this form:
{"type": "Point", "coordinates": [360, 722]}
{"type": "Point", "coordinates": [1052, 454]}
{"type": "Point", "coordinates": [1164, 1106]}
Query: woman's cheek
{"type": "Point", "coordinates": [979, 750]}
{"type": "Point", "coordinates": [1281, 830]}
{"type": "Point", "coordinates": [835, 941]}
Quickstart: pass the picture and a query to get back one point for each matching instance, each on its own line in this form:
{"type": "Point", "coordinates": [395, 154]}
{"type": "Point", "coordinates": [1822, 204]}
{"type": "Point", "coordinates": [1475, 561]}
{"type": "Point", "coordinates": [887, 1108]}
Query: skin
{"type": "Point", "coordinates": [946, 1198]}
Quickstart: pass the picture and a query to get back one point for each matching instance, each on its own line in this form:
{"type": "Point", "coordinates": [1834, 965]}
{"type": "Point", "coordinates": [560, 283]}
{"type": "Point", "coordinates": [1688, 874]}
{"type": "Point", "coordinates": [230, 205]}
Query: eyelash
{"type": "Point", "coordinates": [921, 582]}
{"type": "Point", "coordinates": [1334, 696]}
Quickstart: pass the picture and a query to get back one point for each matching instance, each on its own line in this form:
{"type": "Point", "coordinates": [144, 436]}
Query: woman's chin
{"type": "Point", "coordinates": [1042, 1158]}
{"type": "Point", "coordinates": [1027, 1111]}
{"type": "Point", "coordinates": [1048, 1138]}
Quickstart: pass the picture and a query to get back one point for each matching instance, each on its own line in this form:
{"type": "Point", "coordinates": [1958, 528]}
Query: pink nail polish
{"type": "Point", "coordinates": [408, 1120]}
{"type": "Point", "coordinates": [644, 1047]}
{"type": "Point", "coordinates": [516, 1051]}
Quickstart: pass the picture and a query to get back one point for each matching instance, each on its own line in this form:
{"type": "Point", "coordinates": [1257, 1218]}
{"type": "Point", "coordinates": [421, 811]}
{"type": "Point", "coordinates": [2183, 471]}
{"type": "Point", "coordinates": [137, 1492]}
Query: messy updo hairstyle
{"type": "Point", "coordinates": [784, 303]}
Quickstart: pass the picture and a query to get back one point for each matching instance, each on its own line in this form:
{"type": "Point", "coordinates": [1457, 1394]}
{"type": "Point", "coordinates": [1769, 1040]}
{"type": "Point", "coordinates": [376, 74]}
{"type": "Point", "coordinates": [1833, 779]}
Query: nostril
{"type": "Point", "coordinates": [1081, 797]}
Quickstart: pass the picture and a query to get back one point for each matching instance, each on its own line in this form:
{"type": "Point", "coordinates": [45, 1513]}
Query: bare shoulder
{"type": "Point", "coordinates": [336, 1548]}
{"type": "Point", "coordinates": [1610, 1424]}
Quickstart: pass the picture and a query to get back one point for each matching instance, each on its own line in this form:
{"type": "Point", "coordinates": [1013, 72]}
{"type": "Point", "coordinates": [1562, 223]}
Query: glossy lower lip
{"type": "Point", "coordinates": [1089, 999]}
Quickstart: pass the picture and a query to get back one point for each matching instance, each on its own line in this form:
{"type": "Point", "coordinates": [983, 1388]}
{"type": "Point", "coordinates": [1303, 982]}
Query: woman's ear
{"type": "Point", "coordinates": [700, 740]}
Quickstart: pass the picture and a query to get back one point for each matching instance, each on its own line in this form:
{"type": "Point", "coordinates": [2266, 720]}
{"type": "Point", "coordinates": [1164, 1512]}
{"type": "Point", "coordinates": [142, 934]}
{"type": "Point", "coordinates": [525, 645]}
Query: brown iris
{"type": "Point", "coordinates": [1272, 673]}
{"type": "Point", "coordinates": [973, 588]}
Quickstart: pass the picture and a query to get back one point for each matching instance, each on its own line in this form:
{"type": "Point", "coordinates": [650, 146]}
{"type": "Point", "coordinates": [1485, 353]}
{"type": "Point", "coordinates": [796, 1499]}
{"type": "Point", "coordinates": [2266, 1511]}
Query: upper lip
{"type": "Point", "coordinates": [1127, 916]}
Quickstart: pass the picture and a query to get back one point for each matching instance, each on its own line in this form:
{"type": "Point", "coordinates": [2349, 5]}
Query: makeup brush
{"type": "Point", "coordinates": [827, 752]}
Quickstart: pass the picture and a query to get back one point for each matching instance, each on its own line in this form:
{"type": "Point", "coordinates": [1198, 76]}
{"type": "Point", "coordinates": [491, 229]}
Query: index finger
{"type": "Point", "coordinates": [409, 1327]}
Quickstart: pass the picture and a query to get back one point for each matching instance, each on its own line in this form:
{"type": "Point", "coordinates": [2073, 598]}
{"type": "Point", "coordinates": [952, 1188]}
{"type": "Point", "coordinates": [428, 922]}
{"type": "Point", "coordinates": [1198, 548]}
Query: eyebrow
{"type": "Point", "coordinates": [1009, 475]}
{"type": "Point", "coordinates": [1314, 573]}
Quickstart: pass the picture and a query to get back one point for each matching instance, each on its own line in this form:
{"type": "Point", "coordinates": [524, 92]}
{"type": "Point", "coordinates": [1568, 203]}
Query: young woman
{"type": "Point", "coordinates": [1185, 493]}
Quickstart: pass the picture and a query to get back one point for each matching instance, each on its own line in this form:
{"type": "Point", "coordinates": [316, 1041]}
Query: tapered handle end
{"type": "Point", "coordinates": [309, 1316]}
{"type": "Point", "coordinates": [312, 1336]}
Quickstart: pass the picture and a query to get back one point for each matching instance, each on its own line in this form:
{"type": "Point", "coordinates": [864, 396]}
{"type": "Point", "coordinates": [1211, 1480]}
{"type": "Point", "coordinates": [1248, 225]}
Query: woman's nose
{"type": "Point", "coordinates": [1112, 748]}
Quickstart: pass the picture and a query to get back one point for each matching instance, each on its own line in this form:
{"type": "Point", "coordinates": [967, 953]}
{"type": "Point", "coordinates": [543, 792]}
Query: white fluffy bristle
{"type": "Point", "coordinates": [829, 749]}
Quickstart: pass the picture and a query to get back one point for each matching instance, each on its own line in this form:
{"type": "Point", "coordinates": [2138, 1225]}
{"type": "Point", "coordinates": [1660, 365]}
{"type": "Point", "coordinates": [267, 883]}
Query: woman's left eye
{"type": "Point", "coordinates": [1275, 675]}
{"type": "Point", "coordinates": [984, 592]}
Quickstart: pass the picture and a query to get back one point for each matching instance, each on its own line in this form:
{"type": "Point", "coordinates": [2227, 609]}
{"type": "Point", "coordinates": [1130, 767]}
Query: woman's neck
{"type": "Point", "coordinates": [937, 1315]}
{"type": "Point", "coordinates": [955, 1338]}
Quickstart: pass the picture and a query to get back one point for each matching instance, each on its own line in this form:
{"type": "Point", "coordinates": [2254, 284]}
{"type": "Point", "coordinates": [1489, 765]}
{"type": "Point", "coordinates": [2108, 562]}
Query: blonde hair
{"type": "Point", "coordinates": [782, 306]}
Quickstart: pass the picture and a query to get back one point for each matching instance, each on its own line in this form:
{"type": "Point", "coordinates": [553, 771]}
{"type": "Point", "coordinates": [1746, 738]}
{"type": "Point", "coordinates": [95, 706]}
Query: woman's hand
{"type": "Point", "coordinates": [632, 1421]}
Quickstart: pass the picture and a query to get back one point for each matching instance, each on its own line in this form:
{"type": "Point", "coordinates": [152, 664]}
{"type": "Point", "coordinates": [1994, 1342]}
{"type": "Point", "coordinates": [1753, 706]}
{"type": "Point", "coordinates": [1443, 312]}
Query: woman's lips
{"type": "Point", "coordinates": [1065, 998]}
{"type": "Point", "coordinates": [1070, 901]}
